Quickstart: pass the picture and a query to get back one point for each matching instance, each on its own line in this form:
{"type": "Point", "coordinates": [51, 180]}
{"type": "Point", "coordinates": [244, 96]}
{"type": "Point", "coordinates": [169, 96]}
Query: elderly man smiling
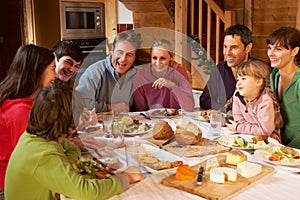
{"type": "Point", "coordinates": [108, 84]}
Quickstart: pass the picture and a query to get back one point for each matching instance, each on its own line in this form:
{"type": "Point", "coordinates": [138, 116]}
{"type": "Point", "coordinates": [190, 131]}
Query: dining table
{"type": "Point", "coordinates": [282, 183]}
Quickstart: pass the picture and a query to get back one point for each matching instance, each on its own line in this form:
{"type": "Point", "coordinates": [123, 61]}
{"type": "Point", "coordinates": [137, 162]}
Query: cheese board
{"type": "Point", "coordinates": [212, 190]}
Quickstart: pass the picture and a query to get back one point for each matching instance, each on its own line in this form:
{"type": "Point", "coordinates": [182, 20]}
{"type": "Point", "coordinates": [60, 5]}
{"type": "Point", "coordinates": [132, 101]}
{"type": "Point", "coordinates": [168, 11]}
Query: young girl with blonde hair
{"type": "Point", "coordinates": [255, 108]}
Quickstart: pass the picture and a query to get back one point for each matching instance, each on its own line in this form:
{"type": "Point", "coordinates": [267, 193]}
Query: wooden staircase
{"type": "Point", "coordinates": [150, 13]}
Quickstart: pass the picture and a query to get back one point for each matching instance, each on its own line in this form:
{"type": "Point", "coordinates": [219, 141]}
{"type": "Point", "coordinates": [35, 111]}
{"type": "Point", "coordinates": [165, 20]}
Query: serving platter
{"type": "Point", "coordinates": [216, 191]}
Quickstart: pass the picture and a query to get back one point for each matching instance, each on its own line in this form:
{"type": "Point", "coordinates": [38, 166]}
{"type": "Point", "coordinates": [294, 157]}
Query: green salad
{"type": "Point", "coordinates": [131, 125]}
{"type": "Point", "coordinates": [242, 143]}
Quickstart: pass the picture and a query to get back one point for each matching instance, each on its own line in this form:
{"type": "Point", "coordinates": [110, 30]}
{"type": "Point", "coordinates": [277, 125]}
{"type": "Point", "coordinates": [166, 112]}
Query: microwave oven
{"type": "Point", "coordinates": [82, 20]}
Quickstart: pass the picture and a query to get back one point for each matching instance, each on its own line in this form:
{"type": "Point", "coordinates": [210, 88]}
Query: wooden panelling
{"type": "Point", "coordinates": [153, 17]}
{"type": "Point", "coordinates": [259, 42]}
{"type": "Point", "coordinates": [269, 4]}
{"type": "Point", "coordinates": [275, 14]}
{"type": "Point", "coordinates": [264, 29]}
{"type": "Point", "coordinates": [298, 16]}
{"type": "Point", "coordinates": [268, 15]}
{"type": "Point", "coordinates": [260, 54]}
{"type": "Point", "coordinates": [111, 20]}
{"type": "Point", "coordinates": [233, 4]}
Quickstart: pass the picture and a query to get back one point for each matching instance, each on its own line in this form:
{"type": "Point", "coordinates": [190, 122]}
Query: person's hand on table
{"type": "Point", "coordinates": [93, 117]}
{"type": "Point", "coordinates": [87, 118]}
{"type": "Point", "coordinates": [231, 125]}
{"type": "Point", "coordinates": [87, 143]}
{"type": "Point", "coordinates": [133, 174]}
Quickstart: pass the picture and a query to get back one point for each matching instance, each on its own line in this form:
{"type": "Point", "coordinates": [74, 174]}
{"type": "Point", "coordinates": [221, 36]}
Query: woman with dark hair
{"type": "Point", "coordinates": [283, 51]}
{"type": "Point", "coordinates": [32, 69]}
{"type": "Point", "coordinates": [41, 163]}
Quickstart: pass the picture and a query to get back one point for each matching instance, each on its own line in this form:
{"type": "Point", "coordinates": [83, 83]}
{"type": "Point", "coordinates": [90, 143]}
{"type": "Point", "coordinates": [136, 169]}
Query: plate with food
{"type": "Point", "coordinates": [198, 115]}
{"type": "Point", "coordinates": [93, 169]}
{"type": "Point", "coordinates": [92, 129]}
{"type": "Point", "coordinates": [164, 112]}
{"type": "Point", "coordinates": [239, 141]}
{"type": "Point", "coordinates": [279, 155]}
{"type": "Point", "coordinates": [155, 159]}
{"type": "Point", "coordinates": [133, 127]}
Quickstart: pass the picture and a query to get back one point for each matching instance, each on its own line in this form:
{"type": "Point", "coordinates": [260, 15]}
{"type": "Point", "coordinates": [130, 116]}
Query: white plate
{"type": "Point", "coordinates": [159, 113]}
{"type": "Point", "coordinates": [139, 133]}
{"type": "Point", "coordinates": [264, 155]}
{"type": "Point", "coordinates": [160, 154]}
{"type": "Point", "coordinates": [228, 140]}
{"type": "Point", "coordinates": [196, 115]}
{"type": "Point", "coordinates": [92, 129]}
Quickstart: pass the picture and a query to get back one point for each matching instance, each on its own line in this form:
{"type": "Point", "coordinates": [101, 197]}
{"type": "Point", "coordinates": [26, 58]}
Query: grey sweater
{"type": "Point", "coordinates": [100, 85]}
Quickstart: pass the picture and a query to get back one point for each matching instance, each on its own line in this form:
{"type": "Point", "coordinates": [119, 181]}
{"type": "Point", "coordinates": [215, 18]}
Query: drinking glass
{"type": "Point", "coordinates": [132, 151]}
{"type": "Point", "coordinates": [107, 118]}
{"type": "Point", "coordinates": [215, 123]}
{"type": "Point", "coordinates": [115, 137]}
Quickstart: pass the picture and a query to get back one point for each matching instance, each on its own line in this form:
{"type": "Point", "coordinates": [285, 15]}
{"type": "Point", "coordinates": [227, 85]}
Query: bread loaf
{"type": "Point", "coordinates": [162, 130]}
{"type": "Point", "coordinates": [188, 133]}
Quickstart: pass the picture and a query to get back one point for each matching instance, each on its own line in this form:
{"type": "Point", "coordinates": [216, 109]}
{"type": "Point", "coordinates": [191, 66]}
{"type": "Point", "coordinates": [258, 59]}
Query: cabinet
{"type": "Point", "coordinates": [46, 21]}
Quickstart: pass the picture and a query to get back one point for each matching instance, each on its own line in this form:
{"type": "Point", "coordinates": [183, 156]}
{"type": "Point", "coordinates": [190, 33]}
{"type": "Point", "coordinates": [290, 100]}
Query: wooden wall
{"type": "Point", "coordinates": [268, 15]}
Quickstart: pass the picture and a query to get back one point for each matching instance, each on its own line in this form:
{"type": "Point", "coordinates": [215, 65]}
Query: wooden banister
{"type": "Point", "coordinates": [226, 17]}
{"type": "Point", "coordinates": [209, 34]}
{"type": "Point", "coordinates": [219, 12]}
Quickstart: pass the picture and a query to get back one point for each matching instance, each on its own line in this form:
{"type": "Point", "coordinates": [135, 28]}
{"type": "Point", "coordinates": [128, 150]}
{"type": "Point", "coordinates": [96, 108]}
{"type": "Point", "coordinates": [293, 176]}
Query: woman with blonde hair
{"type": "Point", "coordinates": [163, 83]}
{"type": "Point", "coordinates": [255, 108]}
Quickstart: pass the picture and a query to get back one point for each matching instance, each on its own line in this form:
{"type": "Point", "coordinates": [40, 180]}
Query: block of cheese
{"type": "Point", "coordinates": [235, 157]}
{"type": "Point", "coordinates": [212, 163]}
{"type": "Point", "coordinates": [248, 169]}
{"type": "Point", "coordinates": [222, 174]}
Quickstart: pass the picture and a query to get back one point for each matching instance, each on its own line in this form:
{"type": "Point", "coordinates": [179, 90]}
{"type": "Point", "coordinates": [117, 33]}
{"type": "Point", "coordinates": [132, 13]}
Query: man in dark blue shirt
{"type": "Point", "coordinates": [221, 84]}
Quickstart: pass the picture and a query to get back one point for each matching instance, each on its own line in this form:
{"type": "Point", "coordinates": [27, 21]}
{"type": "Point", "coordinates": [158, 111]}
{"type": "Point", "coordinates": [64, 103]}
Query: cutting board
{"type": "Point", "coordinates": [211, 190]}
{"type": "Point", "coordinates": [203, 148]}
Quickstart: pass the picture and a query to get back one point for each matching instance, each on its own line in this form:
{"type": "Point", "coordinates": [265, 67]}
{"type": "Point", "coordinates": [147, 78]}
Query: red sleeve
{"type": "Point", "coordinates": [19, 123]}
